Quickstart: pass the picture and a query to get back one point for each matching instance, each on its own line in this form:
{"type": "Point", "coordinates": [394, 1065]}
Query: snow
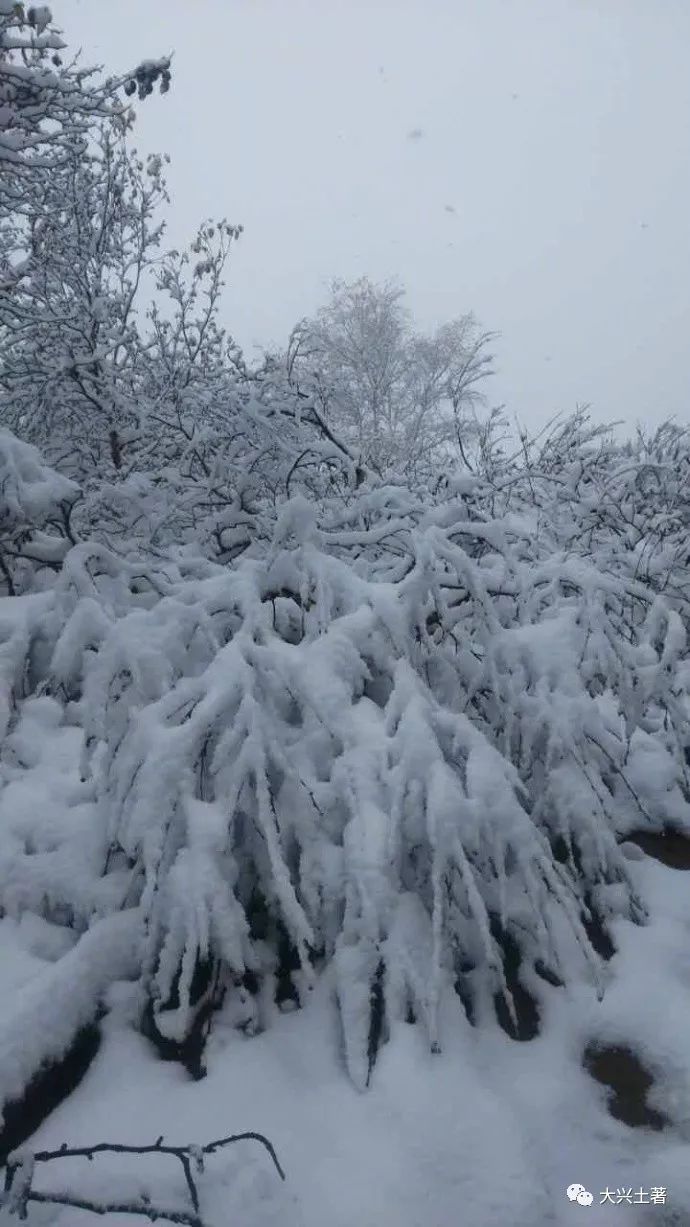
{"type": "Point", "coordinates": [67, 994]}
{"type": "Point", "coordinates": [29, 488]}
{"type": "Point", "coordinates": [17, 963]}
{"type": "Point", "coordinates": [299, 756]}
{"type": "Point", "coordinates": [488, 1132]}
{"type": "Point", "coordinates": [290, 725]}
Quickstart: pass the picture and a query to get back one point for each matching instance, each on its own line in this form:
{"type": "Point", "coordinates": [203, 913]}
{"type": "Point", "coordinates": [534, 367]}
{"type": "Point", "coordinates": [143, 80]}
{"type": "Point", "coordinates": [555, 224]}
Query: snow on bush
{"type": "Point", "coordinates": [403, 731]}
{"type": "Point", "coordinates": [414, 760]}
{"type": "Point", "coordinates": [35, 504]}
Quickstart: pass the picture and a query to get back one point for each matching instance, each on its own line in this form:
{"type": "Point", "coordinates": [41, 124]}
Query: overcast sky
{"type": "Point", "coordinates": [525, 159]}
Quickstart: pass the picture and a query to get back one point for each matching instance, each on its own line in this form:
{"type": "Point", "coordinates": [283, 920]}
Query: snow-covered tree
{"type": "Point", "coordinates": [47, 106]}
{"type": "Point", "coordinates": [403, 401]}
{"type": "Point", "coordinates": [71, 352]}
{"type": "Point", "coordinates": [148, 405]}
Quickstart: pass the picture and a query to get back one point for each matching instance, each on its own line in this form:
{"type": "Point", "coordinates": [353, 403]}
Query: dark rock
{"type": "Point", "coordinates": [47, 1089]}
{"type": "Point", "coordinates": [618, 1068]}
{"type": "Point", "coordinates": [669, 846]}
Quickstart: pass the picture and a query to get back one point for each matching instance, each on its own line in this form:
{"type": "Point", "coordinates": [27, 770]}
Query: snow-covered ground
{"type": "Point", "coordinates": [489, 1132]}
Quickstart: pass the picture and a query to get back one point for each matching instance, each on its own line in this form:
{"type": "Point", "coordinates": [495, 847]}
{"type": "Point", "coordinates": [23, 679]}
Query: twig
{"type": "Point", "coordinates": [140, 1208]}
{"type": "Point", "coordinates": [22, 1163]}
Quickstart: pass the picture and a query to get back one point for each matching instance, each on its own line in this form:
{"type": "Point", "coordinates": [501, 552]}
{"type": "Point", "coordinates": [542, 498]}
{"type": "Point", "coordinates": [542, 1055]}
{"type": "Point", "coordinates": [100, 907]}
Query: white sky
{"type": "Point", "coordinates": [558, 131]}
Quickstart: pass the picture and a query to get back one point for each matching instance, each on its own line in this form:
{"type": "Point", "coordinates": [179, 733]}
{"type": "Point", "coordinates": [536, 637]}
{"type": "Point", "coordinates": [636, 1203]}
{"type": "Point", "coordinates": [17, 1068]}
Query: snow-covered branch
{"type": "Point", "coordinates": [21, 1166]}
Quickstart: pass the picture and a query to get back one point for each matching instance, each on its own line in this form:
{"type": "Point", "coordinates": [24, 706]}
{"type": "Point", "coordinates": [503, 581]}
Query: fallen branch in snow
{"type": "Point", "coordinates": [20, 1169]}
